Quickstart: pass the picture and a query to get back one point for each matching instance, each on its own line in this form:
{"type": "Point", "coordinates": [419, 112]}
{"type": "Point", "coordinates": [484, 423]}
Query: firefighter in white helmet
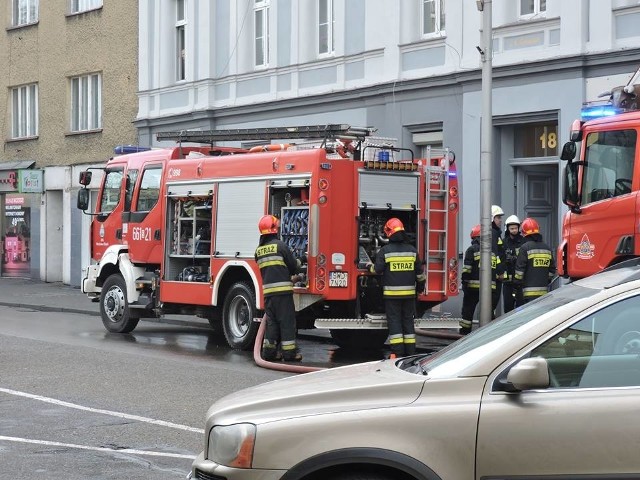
{"type": "Point", "coordinates": [497, 248]}
{"type": "Point", "coordinates": [512, 293]}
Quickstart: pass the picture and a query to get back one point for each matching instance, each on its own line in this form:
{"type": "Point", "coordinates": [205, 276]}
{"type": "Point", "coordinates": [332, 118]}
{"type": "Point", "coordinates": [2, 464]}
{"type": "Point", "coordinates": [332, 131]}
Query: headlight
{"type": "Point", "coordinates": [232, 445]}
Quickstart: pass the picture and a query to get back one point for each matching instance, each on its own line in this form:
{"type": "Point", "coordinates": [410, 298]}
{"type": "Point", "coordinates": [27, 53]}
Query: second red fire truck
{"type": "Point", "coordinates": [176, 229]}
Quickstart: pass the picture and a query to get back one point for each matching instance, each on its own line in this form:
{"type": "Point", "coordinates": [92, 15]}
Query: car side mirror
{"type": "Point", "coordinates": [83, 199]}
{"type": "Point", "coordinates": [85, 178]}
{"type": "Point", "coordinates": [529, 373]}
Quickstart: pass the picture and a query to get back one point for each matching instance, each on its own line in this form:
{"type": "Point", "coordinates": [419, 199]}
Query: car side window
{"type": "Point", "coordinates": [601, 350]}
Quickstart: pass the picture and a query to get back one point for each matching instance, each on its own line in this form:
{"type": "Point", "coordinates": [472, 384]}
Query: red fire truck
{"type": "Point", "coordinates": [601, 186]}
{"type": "Point", "coordinates": [187, 218]}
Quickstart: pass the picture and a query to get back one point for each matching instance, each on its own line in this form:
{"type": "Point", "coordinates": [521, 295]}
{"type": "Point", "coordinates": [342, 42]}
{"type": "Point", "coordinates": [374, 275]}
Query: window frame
{"type": "Point", "coordinates": [181, 41]}
{"type": "Point", "coordinates": [81, 6]}
{"type": "Point", "coordinates": [438, 17]}
{"type": "Point", "coordinates": [537, 11]}
{"type": "Point", "coordinates": [152, 172]}
{"type": "Point", "coordinates": [21, 127]}
{"type": "Point", "coordinates": [261, 7]}
{"type": "Point", "coordinates": [86, 102]}
{"type": "Point", "coordinates": [329, 24]}
{"type": "Point", "coordinates": [31, 8]}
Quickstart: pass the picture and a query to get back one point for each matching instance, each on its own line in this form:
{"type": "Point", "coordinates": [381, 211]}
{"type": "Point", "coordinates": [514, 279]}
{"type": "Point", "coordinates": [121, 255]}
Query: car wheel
{"type": "Point", "coordinates": [359, 476]}
{"type": "Point", "coordinates": [114, 306]}
{"type": "Point", "coordinates": [238, 313]}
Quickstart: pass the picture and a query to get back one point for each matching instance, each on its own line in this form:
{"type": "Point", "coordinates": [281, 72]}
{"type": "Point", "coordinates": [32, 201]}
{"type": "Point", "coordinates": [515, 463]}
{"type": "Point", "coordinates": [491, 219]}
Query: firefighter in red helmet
{"type": "Point", "coordinates": [535, 266]}
{"type": "Point", "coordinates": [471, 280]}
{"type": "Point", "coordinates": [277, 265]}
{"type": "Point", "coordinates": [401, 270]}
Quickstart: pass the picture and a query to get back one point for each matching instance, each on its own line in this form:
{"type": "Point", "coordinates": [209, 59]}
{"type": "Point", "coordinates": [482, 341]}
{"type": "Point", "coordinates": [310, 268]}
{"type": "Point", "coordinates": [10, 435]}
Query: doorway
{"type": "Point", "coordinates": [53, 236]}
{"type": "Point", "coordinates": [537, 197]}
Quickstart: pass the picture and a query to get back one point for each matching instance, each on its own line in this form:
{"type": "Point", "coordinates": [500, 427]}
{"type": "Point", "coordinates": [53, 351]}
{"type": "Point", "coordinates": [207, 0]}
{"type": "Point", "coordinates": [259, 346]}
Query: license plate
{"type": "Point", "coordinates": [338, 279]}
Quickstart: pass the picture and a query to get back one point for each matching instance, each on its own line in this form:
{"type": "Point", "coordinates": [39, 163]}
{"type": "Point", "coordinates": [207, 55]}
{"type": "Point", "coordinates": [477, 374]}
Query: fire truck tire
{"type": "Point", "coordinates": [114, 306]}
{"type": "Point", "coordinates": [359, 339]}
{"type": "Point", "coordinates": [238, 313]}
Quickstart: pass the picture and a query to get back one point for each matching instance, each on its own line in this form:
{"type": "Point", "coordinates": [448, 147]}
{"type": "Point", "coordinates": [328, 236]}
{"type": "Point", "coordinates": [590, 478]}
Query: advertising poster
{"type": "Point", "coordinates": [16, 238]}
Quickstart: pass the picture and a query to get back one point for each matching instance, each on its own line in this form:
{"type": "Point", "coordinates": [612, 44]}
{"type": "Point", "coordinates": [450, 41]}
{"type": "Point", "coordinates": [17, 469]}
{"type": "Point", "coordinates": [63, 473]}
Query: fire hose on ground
{"type": "Point", "coordinates": [285, 367]}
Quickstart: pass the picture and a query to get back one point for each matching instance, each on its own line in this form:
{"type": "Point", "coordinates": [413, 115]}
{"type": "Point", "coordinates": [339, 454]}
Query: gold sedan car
{"type": "Point", "coordinates": [551, 390]}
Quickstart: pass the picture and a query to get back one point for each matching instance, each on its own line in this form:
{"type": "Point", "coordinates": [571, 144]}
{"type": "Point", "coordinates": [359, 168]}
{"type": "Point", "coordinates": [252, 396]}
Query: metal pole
{"type": "Point", "coordinates": [486, 312]}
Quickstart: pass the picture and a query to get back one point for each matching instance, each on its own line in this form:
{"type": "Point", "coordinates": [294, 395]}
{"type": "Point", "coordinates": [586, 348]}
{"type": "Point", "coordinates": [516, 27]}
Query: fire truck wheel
{"type": "Point", "coordinates": [359, 339]}
{"type": "Point", "coordinates": [114, 306]}
{"type": "Point", "coordinates": [238, 313]}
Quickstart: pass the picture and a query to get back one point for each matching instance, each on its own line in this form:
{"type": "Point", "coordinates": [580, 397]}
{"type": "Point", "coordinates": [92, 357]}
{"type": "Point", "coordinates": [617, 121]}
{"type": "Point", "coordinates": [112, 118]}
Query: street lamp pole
{"type": "Point", "coordinates": [486, 141]}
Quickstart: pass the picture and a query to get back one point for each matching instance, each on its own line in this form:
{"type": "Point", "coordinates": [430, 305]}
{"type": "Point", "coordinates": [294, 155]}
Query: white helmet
{"type": "Point", "coordinates": [496, 211]}
{"type": "Point", "coordinates": [512, 220]}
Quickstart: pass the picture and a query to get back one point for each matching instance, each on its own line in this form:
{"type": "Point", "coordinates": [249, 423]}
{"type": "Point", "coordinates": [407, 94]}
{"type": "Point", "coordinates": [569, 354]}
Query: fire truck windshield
{"type": "Point", "coordinates": [609, 160]}
{"type": "Point", "coordinates": [111, 191]}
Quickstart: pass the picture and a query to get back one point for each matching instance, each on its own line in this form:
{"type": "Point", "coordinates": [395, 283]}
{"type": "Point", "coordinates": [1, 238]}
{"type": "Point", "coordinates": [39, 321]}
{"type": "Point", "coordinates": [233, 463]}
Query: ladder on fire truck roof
{"type": "Point", "coordinates": [326, 132]}
{"type": "Point", "coordinates": [437, 214]}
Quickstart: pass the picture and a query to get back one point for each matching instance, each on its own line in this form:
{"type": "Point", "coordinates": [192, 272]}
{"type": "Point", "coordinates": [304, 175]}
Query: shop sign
{"type": "Point", "coordinates": [8, 181]}
{"type": "Point", "coordinates": [31, 181]}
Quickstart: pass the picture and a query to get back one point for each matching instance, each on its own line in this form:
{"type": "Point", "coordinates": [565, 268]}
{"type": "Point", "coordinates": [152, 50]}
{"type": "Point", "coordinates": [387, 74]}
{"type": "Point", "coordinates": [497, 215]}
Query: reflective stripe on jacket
{"type": "Point", "coordinates": [400, 267]}
{"type": "Point", "coordinates": [277, 264]}
{"type": "Point", "coordinates": [535, 267]}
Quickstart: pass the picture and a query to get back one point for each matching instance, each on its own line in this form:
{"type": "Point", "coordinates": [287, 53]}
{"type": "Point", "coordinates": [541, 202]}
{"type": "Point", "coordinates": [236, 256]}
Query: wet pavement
{"type": "Point", "coordinates": [193, 334]}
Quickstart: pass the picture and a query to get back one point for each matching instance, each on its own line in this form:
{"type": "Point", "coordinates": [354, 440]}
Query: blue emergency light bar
{"type": "Point", "coordinates": [124, 149]}
{"type": "Point", "coordinates": [591, 112]}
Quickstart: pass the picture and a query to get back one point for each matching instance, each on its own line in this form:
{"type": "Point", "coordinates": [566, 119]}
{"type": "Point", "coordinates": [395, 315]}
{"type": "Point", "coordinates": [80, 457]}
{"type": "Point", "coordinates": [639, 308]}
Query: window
{"type": "Point", "coordinates": [181, 47]}
{"type": "Point", "coordinates": [530, 8]}
{"type": "Point", "coordinates": [111, 191]}
{"type": "Point", "coordinates": [86, 103]}
{"type": "Point", "coordinates": [432, 17]}
{"type": "Point", "coordinates": [608, 168]}
{"type": "Point", "coordinates": [261, 32]}
{"type": "Point", "coordinates": [326, 25]}
{"type": "Point", "coordinates": [24, 12]}
{"type": "Point", "coordinates": [24, 111]}
{"type": "Point", "coordinates": [149, 189]}
{"type": "Point", "coordinates": [78, 6]}
{"type": "Point", "coordinates": [601, 350]}
{"type": "Point", "coordinates": [536, 140]}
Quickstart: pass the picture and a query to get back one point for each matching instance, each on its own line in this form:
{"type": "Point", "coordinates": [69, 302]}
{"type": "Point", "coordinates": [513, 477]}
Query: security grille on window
{"type": "Point", "coordinates": [530, 8]}
{"type": "Point", "coordinates": [24, 111]}
{"type": "Point", "coordinates": [326, 25]}
{"type": "Point", "coordinates": [261, 30]}
{"type": "Point", "coordinates": [181, 22]}
{"type": "Point", "coordinates": [24, 12]}
{"type": "Point", "coordinates": [78, 6]}
{"type": "Point", "coordinates": [536, 140]}
{"type": "Point", "coordinates": [432, 17]}
{"type": "Point", "coordinates": [86, 103]}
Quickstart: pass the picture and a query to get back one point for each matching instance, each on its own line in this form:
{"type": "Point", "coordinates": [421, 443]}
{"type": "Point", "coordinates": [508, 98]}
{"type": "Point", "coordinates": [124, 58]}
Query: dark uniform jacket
{"type": "Point", "coordinates": [471, 266]}
{"type": "Point", "coordinates": [511, 249]}
{"type": "Point", "coordinates": [497, 247]}
{"type": "Point", "coordinates": [400, 267]}
{"type": "Point", "coordinates": [277, 265]}
{"type": "Point", "coordinates": [535, 266]}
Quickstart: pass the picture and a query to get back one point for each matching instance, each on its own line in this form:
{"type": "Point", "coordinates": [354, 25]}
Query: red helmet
{"type": "Point", "coordinates": [268, 224]}
{"type": "Point", "coordinates": [529, 227]}
{"type": "Point", "coordinates": [392, 226]}
{"type": "Point", "coordinates": [475, 231]}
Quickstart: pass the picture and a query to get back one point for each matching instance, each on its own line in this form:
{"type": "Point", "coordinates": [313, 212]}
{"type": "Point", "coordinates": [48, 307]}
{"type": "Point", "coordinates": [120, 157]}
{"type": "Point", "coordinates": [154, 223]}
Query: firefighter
{"type": "Point", "coordinates": [400, 266]}
{"type": "Point", "coordinates": [497, 249]}
{"type": "Point", "coordinates": [535, 266]}
{"type": "Point", "coordinates": [512, 241]}
{"type": "Point", "coordinates": [277, 268]}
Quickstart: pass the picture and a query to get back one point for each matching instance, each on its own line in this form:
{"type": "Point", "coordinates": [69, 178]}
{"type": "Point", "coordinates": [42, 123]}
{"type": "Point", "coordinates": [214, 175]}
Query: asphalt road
{"type": "Point", "coordinates": [77, 402]}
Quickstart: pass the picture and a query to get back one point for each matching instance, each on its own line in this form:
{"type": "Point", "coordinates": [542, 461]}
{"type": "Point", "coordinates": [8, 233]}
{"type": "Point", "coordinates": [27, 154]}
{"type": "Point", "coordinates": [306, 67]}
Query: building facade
{"type": "Point", "coordinates": [70, 80]}
{"type": "Point", "coordinates": [410, 68]}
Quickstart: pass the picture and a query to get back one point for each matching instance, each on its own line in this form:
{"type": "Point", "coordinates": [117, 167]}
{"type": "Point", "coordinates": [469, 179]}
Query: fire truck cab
{"type": "Point", "coordinates": [601, 186]}
{"type": "Point", "coordinates": [189, 248]}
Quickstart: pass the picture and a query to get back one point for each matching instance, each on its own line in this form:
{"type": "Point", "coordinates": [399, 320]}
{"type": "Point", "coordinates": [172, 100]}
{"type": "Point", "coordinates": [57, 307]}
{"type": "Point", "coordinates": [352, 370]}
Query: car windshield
{"type": "Point", "coordinates": [449, 361]}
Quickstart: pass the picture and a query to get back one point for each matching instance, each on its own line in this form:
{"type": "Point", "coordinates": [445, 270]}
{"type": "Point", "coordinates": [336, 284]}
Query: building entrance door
{"type": "Point", "coordinates": [537, 197]}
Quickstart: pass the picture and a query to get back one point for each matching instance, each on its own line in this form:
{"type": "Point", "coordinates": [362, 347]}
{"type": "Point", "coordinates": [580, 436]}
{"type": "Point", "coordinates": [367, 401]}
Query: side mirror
{"type": "Point", "coordinates": [568, 151]}
{"type": "Point", "coordinates": [83, 199]}
{"type": "Point", "coordinates": [529, 373]}
{"type": "Point", "coordinates": [85, 178]}
{"type": "Point", "coordinates": [570, 193]}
